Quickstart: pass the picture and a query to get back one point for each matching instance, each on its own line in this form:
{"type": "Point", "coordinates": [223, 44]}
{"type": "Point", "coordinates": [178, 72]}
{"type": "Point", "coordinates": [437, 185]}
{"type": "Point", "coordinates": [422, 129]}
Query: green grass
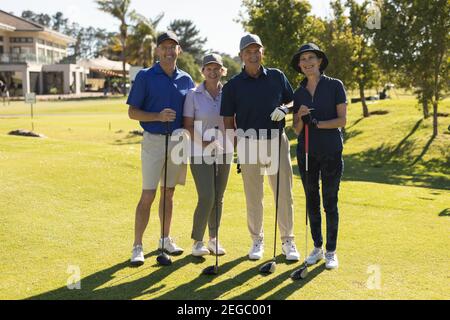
{"type": "Point", "coordinates": [69, 200]}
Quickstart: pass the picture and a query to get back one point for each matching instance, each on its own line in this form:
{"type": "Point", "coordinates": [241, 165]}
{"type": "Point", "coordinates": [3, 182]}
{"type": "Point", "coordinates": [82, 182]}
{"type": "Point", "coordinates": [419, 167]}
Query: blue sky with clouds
{"type": "Point", "coordinates": [214, 18]}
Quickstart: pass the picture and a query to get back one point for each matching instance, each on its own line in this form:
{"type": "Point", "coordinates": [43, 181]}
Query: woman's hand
{"type": "Point", "coordinates": [304, 110]}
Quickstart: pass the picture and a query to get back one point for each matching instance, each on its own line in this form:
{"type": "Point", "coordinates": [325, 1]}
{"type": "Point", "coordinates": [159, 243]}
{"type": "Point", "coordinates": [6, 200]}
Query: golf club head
{"type": "Point", "coordinates": [300, 273]}
{"type": "Point", "coordinates": [211, 270]}
{"type": "Point", "coordinates": [163, 259]}
{"type": "Point", "coordinates": [268, 267]}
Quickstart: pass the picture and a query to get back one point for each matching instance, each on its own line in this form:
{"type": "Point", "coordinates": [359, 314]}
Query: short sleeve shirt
{"type": "Point", "coordinates": [328, 94]}
{"type": "Point", "coordinates": [252, 100]}
{"type": "Point", "coordinates": [205, 110]}
{"type": "Point", "coordinates": [153, 90]}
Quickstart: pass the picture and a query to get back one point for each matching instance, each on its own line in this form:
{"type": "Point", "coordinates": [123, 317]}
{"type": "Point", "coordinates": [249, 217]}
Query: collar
{"type": "Point", "coordinates": [159, 70]}
{"type": "Point", "coordinates": [201, 88]}
{"type": "Point", "coordinates": [304, 82]}
{"type": "Point", "coordinates": [245, 75]}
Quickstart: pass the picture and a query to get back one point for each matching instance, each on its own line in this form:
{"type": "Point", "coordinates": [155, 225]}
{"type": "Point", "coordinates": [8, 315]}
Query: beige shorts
{"type": "Point", "coordinates": [152, 156]}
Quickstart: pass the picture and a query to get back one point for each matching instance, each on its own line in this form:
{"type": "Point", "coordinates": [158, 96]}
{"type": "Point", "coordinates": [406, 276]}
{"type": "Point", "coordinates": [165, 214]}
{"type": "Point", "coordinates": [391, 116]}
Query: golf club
{"type": "Point", "coordinates": [302, 272]}
{"type": "Point", "coordinates": [270, 267]}
{"type": "Point", "coordinates": [213, 270]}
{"type": "Point", "coordinates": [163, 259]}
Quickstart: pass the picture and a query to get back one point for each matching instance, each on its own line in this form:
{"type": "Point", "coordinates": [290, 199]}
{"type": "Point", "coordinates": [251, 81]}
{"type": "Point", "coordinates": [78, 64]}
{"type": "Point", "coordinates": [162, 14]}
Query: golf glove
{"type": "Point", "coordinates": [307, 119]}
{"type": "Point", "coordinates": [279, 113]}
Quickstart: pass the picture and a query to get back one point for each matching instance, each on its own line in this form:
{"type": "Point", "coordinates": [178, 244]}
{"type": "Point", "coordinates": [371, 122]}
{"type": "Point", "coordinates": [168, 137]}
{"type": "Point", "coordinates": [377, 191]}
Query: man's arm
{"type": "Point", "coordinates": [165, 115]}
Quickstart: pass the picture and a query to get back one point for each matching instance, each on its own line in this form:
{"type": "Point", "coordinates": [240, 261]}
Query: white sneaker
{"type": "Point", "coordinates": [212, 247]}
{"type": "Point", "coordinates": [199, 249]}
{"type": "Point", "coordinates": [137, 255]}
{"type": "Point", "coordinates": [257, 250]}
{"type": "Point", "coordinates": [170, 247]}
{"type": "Point", "coordinates": [331, 260]}
{"type": "Point", "coordinates": [290, 250]}
{"type": "Point", "coordinates": [315, 256]}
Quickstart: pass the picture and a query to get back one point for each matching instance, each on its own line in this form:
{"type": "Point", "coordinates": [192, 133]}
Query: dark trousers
{"type": "Point", "coordinates": [329, 169]}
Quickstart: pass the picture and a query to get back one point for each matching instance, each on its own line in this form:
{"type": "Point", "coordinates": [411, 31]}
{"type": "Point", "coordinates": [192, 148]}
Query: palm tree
{"type": "Point", "coordinates": [119, 10]}
{"type": "Point", "coordinates": [142, 42]}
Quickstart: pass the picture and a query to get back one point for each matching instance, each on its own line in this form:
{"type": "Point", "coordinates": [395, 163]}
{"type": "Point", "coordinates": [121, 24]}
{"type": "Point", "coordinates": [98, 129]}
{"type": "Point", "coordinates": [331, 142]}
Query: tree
{"type": "Point", "coordinates": [142, 40]}
{"type": "Point", "coordinates": [339, 44]}
{"type": "Point", "coordinates": [189, 38]}
{"type": "Point", "coordinates": [59, 23]}
{"type": "Point", "coordinates": [119, 9]}
{"type": "Point", "coordinates": [40, 18]}
{"type": "Point", "coordinates": [186, 62]}
{"type": "Point", "coordinates": [364, 62]}
{"type": "Point", "coordinates": [233, 67]}
{"type": "Point", "coordinates": [282, 26]}
{"type": "Point", "coordinates": [415, 39]}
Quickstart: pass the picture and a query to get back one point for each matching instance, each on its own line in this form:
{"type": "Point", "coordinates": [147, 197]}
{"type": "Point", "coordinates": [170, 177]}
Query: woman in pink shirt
{"type": "Point", "coordinates": [203, 121]}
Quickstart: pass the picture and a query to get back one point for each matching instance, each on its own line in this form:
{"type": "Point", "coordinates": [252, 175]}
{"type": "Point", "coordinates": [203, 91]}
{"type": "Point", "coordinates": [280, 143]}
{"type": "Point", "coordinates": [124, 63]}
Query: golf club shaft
{"type": "Point", "coordinates": [216, 204]}
{"type": "Point", "coordinates": [280, 130]}
{"type": "Point", "coordinates": [306, 186]}
{"type": "Point", "coordinates": [165, 184]}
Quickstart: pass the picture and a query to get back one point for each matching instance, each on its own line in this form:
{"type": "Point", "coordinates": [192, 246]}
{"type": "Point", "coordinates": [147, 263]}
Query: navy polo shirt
{"type": "Point", "coordinates": [153, 90]}
{"type": "Point", "coordinates": [328, 94]}
{"type": "Point", "coordinates": [252, 100]}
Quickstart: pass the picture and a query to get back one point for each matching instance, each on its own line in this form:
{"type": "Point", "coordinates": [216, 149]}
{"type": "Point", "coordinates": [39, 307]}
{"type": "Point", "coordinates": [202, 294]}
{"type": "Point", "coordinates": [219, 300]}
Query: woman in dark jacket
{"type": "Point", "coordinates": [321, 103]}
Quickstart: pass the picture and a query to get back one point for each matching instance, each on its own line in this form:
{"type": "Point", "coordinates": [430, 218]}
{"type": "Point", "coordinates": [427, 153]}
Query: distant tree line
{"type": "Point", "coordinates": [369, 43]}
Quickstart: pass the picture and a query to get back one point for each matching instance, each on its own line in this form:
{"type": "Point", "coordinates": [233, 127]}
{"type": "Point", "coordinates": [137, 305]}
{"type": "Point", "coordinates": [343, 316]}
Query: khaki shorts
{"type": "Point", "coordinates": [152, 156]}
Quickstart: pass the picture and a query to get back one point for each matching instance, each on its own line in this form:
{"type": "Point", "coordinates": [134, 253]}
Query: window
{"type": "Point", "coordinates": [1, 39]}
{"type": "Point", "coordinates": [1, 49]}
{"type": "Point", "coordinates": [40, 41]}
{"type": "Point", "coordinates": [21, 40]}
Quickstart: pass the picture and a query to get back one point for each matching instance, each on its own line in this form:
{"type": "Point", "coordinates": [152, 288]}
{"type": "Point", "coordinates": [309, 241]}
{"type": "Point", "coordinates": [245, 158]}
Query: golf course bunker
{"type": "Point", "coordinates": [26, 133]}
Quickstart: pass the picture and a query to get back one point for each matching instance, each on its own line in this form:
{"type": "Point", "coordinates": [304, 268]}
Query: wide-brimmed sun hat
{"type": "Point", "coordinates": [309, 47]}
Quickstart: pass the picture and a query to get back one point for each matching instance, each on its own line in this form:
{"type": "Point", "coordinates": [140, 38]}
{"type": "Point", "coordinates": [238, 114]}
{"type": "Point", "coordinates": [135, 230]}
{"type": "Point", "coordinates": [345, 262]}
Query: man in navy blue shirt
{"type": "Point", "coordinates": [321, 103]}
{"type": "Point", "coordinates": [156, 100]}
{"type": "Point", "coordinates": [254, 101]}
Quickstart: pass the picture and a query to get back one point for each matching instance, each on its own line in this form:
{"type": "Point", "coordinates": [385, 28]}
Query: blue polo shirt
{"type": "Point", "coordinates": [252, 100]}
{"type": "Point", "coordinates": [328, 94]}
{"type": "Point", "coordinates": [153, 90]}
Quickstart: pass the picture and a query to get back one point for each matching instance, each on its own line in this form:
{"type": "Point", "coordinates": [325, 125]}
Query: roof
{"type": "Point", "coordinates": [103, 63]}
{"type": "Point", "coordinates": [19, 24]}
{"type": "Point", "coordinates": [11, 22]}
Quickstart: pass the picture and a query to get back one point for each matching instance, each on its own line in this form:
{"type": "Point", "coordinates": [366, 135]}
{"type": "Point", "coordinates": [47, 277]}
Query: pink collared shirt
{"type": "Point", "coordinates": [201, 106]}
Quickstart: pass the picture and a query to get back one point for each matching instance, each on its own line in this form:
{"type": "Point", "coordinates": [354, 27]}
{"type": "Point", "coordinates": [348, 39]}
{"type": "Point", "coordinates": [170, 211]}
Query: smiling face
{"type": "Point", "coordinates": [252, 55]}
{"type": "Point", "coordinates": [309, 63]}
{"type": "Point", "coordinates": [168, 51]}
{"type": "Point", "coordinates": [212, 72]}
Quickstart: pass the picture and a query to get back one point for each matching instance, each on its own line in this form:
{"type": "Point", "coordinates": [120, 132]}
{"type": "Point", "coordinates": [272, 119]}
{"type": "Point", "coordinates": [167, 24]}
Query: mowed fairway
{"type": "Point", "coordinates": [68, 201]}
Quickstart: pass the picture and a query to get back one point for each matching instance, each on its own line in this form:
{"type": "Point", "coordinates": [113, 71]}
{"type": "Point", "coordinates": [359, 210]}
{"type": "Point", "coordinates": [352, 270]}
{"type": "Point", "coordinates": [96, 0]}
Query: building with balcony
{"type": "Point", "coordinates": [31, 59]}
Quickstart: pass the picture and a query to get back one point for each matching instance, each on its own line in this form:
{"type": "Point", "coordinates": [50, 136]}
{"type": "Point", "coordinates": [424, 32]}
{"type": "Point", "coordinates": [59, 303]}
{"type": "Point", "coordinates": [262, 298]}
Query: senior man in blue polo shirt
{"type": "Point", "coordinates": [255, 99]}
{"type": "Point", "coordinates": [157, 97]}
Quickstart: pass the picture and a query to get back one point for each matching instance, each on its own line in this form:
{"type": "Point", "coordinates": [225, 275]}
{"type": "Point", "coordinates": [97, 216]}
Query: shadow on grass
{"type": "Point", "coordinates": [196, 292]}
{"type": "Point", "coordinates": [445, 213]}
{"type": "Point", "coordinates": [284, 292]}
{"type": "Point", "coordinates": [219, 290]}
{"type": "Point", "coordinates": [377, 165]}
{"type": "Point", "coordinates": [395, 164]}
{"type": "Point", "coordinates": [91, 286]}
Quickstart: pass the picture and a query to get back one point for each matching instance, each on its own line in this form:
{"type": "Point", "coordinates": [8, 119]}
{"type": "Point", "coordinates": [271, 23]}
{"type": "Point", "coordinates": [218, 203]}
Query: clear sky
{"type": "Point", "coordinates": [214, 18]}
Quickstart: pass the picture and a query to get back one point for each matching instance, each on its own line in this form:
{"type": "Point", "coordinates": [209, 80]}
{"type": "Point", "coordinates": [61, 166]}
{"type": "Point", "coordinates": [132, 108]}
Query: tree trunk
{"type": "Point", "coordinates": [363, 100]}
{"type": "Point", "coordinates": [426, 111]}
{"type": "Point", "coordinates": [435, 118]}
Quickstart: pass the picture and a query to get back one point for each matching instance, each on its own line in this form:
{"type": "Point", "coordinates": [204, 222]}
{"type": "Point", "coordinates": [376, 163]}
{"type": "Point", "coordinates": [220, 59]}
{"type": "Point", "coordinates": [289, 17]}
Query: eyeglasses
{"type": "Point", "coordinates": [168, 48]}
